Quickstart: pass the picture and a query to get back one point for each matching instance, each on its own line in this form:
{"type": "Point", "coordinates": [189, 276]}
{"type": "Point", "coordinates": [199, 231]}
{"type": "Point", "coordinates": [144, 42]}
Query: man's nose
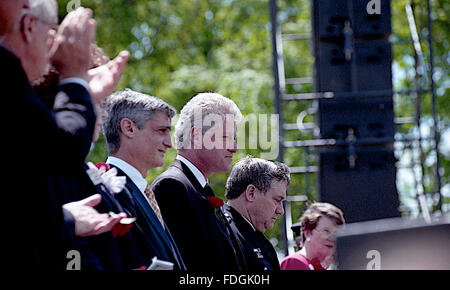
{"type": "Point", "coordinates": [280, 209]}
{"type": "Point", "coordinates": [234, 147]}
{"type": "Point", "coordinates": [168, 141]}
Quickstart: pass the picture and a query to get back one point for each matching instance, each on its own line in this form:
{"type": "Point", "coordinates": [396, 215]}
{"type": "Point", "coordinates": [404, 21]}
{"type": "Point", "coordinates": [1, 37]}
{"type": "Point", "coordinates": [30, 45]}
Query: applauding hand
{"type": "Point", "coordinates": [70, 52]}
{"type": "Point", "coordinates": [88, 222]}
{"type": "Point", "coordinates": [103, 79]}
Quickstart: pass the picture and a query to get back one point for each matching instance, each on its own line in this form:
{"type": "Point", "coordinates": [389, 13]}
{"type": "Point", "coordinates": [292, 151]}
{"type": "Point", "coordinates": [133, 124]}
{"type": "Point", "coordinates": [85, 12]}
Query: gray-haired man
{"type": "Point", "coordinates": [183, 191]}
{"type": "Point", "coordinates": [137, 131]}
{"type": "Point", "coordinates": [256, 189]}
{"type": "Point", "coordinates": [63, 134]}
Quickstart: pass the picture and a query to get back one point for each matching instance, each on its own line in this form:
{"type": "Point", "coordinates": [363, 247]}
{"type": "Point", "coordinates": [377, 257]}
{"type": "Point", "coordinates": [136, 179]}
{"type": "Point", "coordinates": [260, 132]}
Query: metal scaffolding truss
{"type": "Point", "coordinates": [423, 85]}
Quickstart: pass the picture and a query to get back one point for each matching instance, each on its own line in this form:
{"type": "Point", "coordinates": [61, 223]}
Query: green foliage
{"type": "Point", "coordinates": [182, 47]}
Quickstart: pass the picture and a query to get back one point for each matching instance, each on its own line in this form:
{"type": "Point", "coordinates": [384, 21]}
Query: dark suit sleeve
{"type": "Point", "coordinates": [47, 136]}
{"type": "Point", "coordinates": [66, 132]}
{"type": "Point", "coordinates": [68, 230]}
{"type": "Point", "coordinates": [74, 118]}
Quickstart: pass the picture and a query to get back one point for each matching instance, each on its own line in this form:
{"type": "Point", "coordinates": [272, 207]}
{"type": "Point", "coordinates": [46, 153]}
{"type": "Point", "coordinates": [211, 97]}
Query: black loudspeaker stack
{"type": "Point", "coordinates": [353, 62]}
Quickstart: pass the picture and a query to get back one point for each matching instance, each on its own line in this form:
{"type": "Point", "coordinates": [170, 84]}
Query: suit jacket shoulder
{"type": "Point", "coordinates": [175, 187]}
{"type": "Point", "coordinates": [258, 251]}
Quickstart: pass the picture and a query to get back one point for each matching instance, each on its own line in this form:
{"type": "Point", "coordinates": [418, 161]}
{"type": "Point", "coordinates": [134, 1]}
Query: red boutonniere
{"type": "Point", "coordinates": [316, 264]}
{"type": "Point", "coordinates": [122, 228]}
{"type": "Point", "coordinates": [104, 165]}
{"type": "Point", "coordinates": [215, 201]}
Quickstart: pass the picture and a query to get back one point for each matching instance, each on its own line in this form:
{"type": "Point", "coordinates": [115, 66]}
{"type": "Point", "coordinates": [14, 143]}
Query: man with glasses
{"type": "Point", "coordinates": [39, 139]}
{"type": "Point", "coordinates": [34, 38]}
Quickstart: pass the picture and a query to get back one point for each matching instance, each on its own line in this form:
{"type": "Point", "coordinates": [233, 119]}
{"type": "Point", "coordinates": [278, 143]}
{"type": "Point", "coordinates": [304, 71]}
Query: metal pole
{"type": "Point", "coordinates": [278, 74]}
{"type": "Point", "coordinates": [307, 185]}
{"type": "Point", "coordinates": [418, 62]}
{"type": "Point", "coordinates": [434, 106]}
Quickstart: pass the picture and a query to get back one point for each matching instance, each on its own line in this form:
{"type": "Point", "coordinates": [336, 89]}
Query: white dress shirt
{"type": "Point", "coordinates": [131, 172]}
{"type": "Point", "coordinates": [197, 173]}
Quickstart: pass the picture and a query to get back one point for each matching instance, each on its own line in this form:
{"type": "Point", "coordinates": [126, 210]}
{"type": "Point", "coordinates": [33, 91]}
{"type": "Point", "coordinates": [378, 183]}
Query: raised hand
{"type": "Point", "coordinates": [70, 53]}
{"type": "Point", "coordinates": [103, 79]}
{"type": "Point", "coordinates": [88, 222]}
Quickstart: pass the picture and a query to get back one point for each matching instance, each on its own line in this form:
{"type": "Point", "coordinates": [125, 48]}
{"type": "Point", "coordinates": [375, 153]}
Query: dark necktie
{"type": "Point", "coordinates": [225, 228]}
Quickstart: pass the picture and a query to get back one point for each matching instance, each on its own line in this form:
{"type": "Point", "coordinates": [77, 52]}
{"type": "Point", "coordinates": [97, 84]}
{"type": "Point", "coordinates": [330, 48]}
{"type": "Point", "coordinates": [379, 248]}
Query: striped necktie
{"type": "Point", "coordinates": [151, 197]}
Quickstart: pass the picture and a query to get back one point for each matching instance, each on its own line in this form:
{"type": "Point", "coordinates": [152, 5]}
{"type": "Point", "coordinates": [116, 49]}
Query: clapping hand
{"type": "Point", "coordinates": [88, 222]}
{"type": "Point", "coordinates": [70, 54]}
{"type": "Point", "coordinates": [103, 79]}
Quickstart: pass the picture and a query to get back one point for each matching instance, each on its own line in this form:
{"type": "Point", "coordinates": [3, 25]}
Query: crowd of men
{"type": "Point", "coordinates": [57, 203]}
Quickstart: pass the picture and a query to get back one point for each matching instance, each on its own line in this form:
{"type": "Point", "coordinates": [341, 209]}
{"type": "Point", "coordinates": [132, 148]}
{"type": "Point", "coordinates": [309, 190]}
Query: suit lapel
{"type": "Point", "coordinates": [191, 177]}
{"type": "Point", "coordinates": [154, 222]}
{"type": "Point", "coordinates": [202, 193]}
{"type": "Point", "coordinates": [141, 204]}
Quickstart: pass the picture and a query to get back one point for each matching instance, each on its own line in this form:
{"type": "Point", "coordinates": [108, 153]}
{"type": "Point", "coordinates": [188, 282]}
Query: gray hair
{"type": "Point", "coordinates": [258, 172]}
{"type": "Point", "coordinates": [137, 107]}
{"type": "Point", "coordinates": [196, 111]}
{"type": "Point", "coordinates": [45, 10]}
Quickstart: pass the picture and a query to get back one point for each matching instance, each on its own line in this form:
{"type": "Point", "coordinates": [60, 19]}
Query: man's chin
{"type": "Point", "coordinates": [225, 169]}
{"type": "Point", "coordinates": [158, 164]}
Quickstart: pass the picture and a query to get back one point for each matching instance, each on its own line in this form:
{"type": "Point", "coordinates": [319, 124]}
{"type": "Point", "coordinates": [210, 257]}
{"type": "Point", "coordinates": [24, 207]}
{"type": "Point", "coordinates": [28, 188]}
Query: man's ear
{"type": "Point", "coordinates": [128, 127]}
{"type": "Point", "coordinates": [27, 26]}
{"type": "Point", "coordinates": [307, 233]}
{"type": "Point", "coordinates": [250, 192]}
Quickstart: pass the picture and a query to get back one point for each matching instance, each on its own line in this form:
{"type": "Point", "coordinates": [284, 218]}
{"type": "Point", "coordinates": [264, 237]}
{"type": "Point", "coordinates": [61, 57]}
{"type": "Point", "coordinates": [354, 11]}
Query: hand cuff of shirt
{"type": "Point", "coordinates": [79, 81]}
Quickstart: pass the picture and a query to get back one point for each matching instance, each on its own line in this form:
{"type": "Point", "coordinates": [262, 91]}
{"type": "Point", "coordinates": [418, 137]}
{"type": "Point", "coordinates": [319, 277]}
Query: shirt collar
{"type": "Point", "coordinates": [253, 227]}
{"type": "Point", "coordinates": [249, 223]}
{"type": "Point", "coordinates": [197, 173]}
{"type": "Point", "coordinates": [130, 171]}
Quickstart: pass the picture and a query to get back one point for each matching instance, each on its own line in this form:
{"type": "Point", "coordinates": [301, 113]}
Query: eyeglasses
{"type": "Point", "coordinates": [29, 12]}
{"type": "Point", "coordinates": [326, 233]}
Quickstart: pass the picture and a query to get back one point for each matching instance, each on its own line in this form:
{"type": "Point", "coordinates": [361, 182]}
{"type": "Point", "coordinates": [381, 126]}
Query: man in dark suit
{"type": "Point", "coordinates": [137, 131]}
{"type": "Point", "coordinates": [256, 189]}
{"type": "Point", "coordinates": [185, 198]}
{"type": "Point", "coordinates": [99, 252]}
{"type": "Point", "coordinates": [38, 231]}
